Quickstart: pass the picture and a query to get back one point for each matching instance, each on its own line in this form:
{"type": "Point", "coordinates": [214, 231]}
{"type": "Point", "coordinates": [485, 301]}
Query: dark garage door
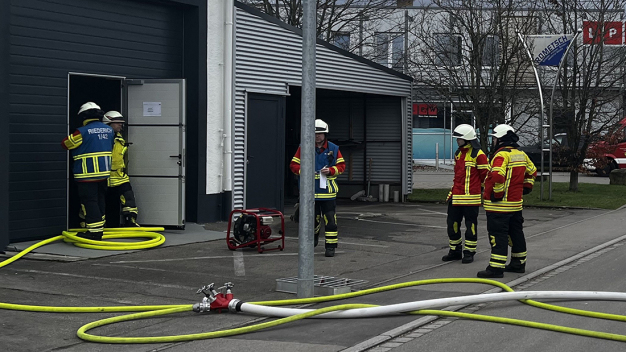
{"type": "Point", "coordinates": [49, 39]}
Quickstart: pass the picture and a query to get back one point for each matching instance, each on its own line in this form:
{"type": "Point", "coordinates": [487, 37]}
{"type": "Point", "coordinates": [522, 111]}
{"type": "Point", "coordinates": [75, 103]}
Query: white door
{"type": "Point", "coordinates": [155, 110]}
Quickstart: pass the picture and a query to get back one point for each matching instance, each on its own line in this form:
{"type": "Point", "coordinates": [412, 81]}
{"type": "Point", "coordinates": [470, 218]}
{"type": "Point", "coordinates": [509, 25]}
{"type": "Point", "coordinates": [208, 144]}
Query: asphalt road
{"type": "Point", "coordinates": [382, 244]}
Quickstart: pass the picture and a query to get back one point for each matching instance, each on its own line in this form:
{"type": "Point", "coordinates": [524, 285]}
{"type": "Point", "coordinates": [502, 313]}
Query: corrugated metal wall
{"type": "Point", "coordinates": [268, 59]}
{"type": "Point", "coordinates": [49, 39]}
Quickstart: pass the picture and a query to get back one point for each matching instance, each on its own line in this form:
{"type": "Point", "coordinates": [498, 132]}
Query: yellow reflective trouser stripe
{"type": "Point", "coordinates": [95, 224]}
{"type": "Point", "coordinates": [497, 261]}
{"type": "Point", "coordinates": [518, 255]}
{"type": "Point", "coordinates": [455, 243]}
{"type": "Point", "coordinates": [331, 237]}
{"type": "Point", "coordinates": [470, 245]}
{"type": "Point", "coordinates": [129, 210]}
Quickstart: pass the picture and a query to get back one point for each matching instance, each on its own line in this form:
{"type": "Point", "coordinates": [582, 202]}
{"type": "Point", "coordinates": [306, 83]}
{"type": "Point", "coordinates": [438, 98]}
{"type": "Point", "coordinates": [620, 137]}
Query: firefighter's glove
{"type": "Point", "coordinates": [495, 199]}
{"type": "Point", "coordinates": [449, 197]}
{"type": "Point", "coordinates": [527, 190]}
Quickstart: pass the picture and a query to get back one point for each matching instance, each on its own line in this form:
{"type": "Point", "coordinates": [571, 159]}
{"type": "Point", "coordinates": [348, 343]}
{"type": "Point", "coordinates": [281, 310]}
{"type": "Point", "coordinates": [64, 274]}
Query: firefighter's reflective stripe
{"type": "Point", "coordinates": [470, 169]}
{"type": "Point", "coordinates": [90, 147]}
{"type": "Point", "coordinates": [471, 199]}
{"type": "Point", "coordinates": [471, 245]}
{"type": "Point", "coordinates": [511, 172]}
{"type": "Point", "coordinates": [520, 257]}
{"type": "Point", "coordinates": [497, 261]}
{"type": "Point", "coordinates": [505, 206]}
{"type": "Point", "coordinates": [331, 187]}
{"type": "Point", "coordinates": [93, 165]}
{"type": "Point", "coordinates": [72, 141]}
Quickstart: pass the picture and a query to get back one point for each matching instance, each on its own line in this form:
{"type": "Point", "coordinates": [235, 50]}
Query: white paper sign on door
{"type": "Point", "coordinates": [151, 108]}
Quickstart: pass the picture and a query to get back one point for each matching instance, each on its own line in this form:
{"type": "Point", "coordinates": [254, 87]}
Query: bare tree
{"type": "Point", "coordinates": [468, 52]}
{"type": "Point", "coordinates": [333, 16]}
{"type": "Point", "coordinates": [591, 91]}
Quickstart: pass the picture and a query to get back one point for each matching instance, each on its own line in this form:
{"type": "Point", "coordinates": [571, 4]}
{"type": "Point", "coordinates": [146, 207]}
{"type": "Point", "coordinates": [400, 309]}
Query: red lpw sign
{"type": "Point", "coordinates": [425, 109]}
{"type": "Point", "coordinates": [608, 33]}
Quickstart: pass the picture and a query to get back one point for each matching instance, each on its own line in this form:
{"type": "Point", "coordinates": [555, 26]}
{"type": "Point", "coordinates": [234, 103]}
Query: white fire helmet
{"type": "Point", "coordinates": [321, 126]}
{"type": "Point", "coordinates": [501, 130]}
{"type": "Point", "coordinates": [112, 116]}
{"type": "Point", "coordinates": [465, 132]}
{"type": "Point", "coordinates": [88, 106]}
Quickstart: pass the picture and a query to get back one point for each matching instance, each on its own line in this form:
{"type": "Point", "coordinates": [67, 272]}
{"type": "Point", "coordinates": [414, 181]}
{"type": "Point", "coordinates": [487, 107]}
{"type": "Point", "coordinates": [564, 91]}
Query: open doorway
{"type": "Point", "coordinates": [106, 91]}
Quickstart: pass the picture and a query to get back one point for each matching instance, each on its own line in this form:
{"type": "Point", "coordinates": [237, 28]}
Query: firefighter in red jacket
{"type": "Point", "coordinates": [470, 169]}
{"type": "Point", "coordinates": [329, 163]}
{"type": "Point", "coordinates": [511, 176]}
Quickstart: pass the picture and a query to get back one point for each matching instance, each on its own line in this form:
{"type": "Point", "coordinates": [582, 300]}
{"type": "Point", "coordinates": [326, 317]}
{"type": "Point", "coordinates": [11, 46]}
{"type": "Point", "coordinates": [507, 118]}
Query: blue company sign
{"type": "Point", "coordinates": [548, 50]}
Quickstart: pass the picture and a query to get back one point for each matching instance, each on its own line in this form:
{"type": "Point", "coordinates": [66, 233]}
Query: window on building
{"type": "Point", "coordinates": [341, 40]}
{"type": "Point", "coordinates": [389, 49]}
{"type": "Point", "coordinates": [491, 51]}
{"type": "Point", "coordinates": [447, 48]}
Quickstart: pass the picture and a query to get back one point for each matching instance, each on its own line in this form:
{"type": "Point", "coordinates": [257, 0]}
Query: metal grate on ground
{"type": "Point", "coordinates": [322, 285]}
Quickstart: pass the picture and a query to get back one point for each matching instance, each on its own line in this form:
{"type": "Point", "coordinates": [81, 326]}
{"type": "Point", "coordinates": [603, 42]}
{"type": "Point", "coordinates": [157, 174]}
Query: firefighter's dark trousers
{"type": "Point", "coordinates": [92, 203]}
{"type": "Point", "coordinates": [506, 229]}
{"type": "Point", "coordinates": [326, 209]}
{"type": "Point", "coordinates": [456, 213]}
{"type": "Point", "coordinates": [124, 195]}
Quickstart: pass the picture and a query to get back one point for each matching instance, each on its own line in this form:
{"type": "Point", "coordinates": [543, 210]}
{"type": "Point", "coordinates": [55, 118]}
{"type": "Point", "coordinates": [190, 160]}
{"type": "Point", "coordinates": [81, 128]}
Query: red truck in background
{"type": "Point", "coordinates": [609, 152]}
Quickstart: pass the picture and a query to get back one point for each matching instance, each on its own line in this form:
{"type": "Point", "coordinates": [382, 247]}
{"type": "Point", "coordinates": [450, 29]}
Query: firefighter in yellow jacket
{"type": "Point", "coordinates": [512, 175]}
{"type": "Point", "coordinates": [119, 182]}
{"type": "Point", "coordinates": [470, 169]}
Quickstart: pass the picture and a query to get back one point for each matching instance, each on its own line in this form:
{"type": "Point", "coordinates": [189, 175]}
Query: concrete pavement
{"type": "Point", "coordinates": [381, 244]}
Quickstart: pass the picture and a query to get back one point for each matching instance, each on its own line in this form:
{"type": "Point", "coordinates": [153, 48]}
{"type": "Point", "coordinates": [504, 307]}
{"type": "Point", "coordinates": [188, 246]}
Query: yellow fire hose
{"type": "Point", "coordinates": [71, 236]}
{"type": "Point", "coordinates": [160, 310]}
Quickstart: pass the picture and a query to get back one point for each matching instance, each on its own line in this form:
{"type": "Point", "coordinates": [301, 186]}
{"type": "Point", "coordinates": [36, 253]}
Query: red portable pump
{"type": "Point", "coordinates": [254, 228]}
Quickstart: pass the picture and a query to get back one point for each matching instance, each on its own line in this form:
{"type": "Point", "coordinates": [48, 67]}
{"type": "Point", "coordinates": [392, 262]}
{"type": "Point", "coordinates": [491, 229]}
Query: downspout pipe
{"type": "Point", "coordinates": [229, 28]}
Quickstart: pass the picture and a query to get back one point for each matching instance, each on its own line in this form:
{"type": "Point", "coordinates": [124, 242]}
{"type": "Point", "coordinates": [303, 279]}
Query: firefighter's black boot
{"type": "Point", "coordinates": [468, 257]}
{"type": "Point", "coordinates": [515, 267]}
{"type": "Point", "coordinates": [95, 236]}
{"type": "Point", "coordinates": [490, 273]}
{"type": "Point", "coordinates": [130, 221]}
{"type": "Point", "coordinates": [452, 255]}
{"type": "Point", "coordinates": [330, 252]}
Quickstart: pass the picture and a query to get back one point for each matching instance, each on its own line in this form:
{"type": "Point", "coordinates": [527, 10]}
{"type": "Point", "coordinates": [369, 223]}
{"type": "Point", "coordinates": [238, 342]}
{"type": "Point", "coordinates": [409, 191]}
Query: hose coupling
{"type": "Point", "coordinates": [234, 306]}
{"type": "Point", "coordinates": [203, 306]}
{"type": "Point", "coordinates": [209, 297]}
